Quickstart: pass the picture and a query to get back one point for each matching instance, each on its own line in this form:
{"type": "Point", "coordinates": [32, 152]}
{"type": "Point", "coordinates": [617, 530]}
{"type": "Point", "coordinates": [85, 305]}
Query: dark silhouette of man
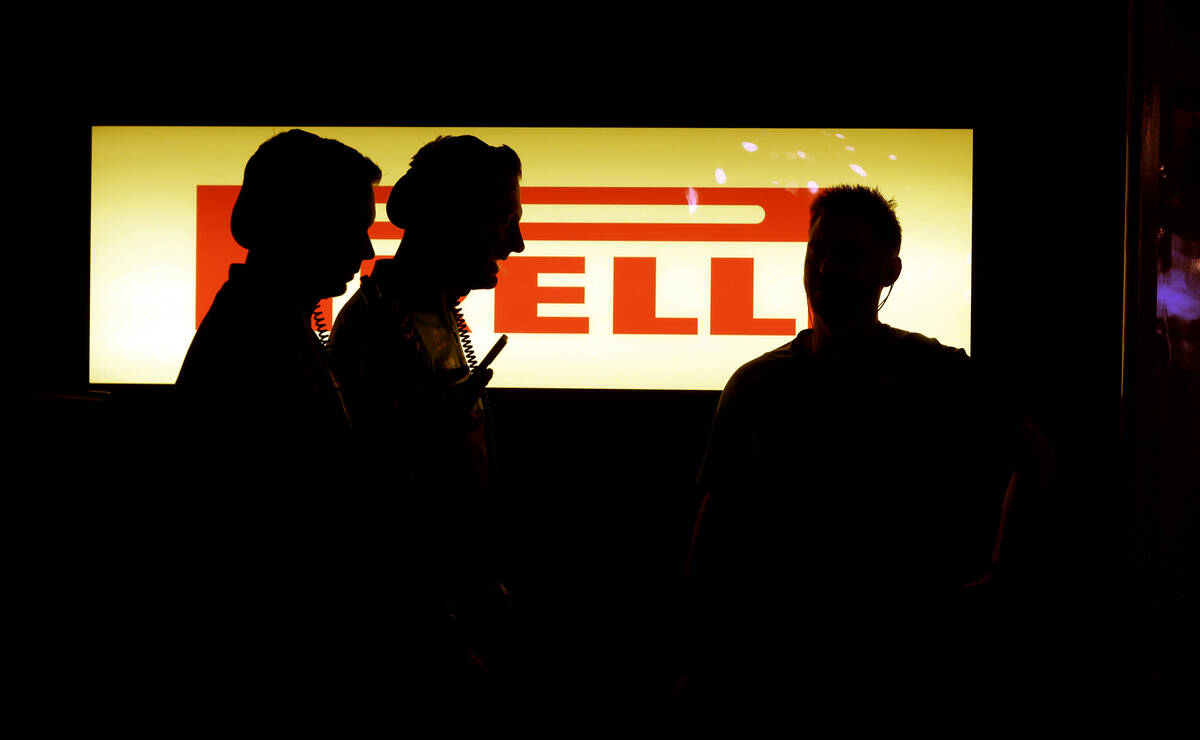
{"type": "Point", "coordinates": [255, 367]}
{"type": "Point", "coordinates": [399, 352]}
{"type": "Point", "coordinates": [270, 556]}
{"type": "Point", "coordinates": [854, 482]}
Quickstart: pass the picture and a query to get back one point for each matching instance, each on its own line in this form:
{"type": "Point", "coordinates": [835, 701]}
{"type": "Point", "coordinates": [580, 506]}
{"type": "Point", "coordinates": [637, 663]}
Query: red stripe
{"type": "Point", "coordinates": [785, 214]}
{"type": "Point", "coordinates": [785, 220]}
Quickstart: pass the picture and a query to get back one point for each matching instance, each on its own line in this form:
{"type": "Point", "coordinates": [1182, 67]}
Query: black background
{"type": "Point", "coordinates": [599, 483]}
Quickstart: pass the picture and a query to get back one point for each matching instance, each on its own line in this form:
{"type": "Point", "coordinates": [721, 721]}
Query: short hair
{"type": "Point", "coordinates": [445, 173]}
{"type": "Point", "coordinates": [861, 203]}
{"type": "Point", "coordinates": [296, 175]}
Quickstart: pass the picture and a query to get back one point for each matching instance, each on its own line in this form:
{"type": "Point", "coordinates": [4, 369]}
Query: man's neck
{"type": "Point", "coordinates": [845, 339]}
{"type": "Point", "coordinates": [418, 284]}
{"type": "Point", "coordinates": [278, 284]}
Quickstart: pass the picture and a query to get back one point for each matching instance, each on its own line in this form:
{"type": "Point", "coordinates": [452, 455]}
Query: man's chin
{"type": "Point", "coordinates": [480, 282]}
{"type": "Point", "coordinates": [333, 290]}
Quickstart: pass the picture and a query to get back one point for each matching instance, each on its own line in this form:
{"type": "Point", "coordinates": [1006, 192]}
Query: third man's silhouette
{"type": "Point", "coordinates": [854, 481]}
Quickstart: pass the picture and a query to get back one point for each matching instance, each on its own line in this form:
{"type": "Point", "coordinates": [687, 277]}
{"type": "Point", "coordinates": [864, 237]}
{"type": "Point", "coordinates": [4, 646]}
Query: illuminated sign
{"type": "Point", "coordinates": [655, 258]}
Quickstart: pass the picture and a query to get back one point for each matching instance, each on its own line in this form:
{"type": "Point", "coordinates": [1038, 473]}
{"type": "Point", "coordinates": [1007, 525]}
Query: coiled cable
{"type": "Point", "coordinates": [464, 338]}
{"type": "Point", "coordinates": [319, 322]}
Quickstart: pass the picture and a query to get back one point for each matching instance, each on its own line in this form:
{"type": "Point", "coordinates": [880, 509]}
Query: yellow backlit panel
{"type": "Point", "coordinates": [144, 239]}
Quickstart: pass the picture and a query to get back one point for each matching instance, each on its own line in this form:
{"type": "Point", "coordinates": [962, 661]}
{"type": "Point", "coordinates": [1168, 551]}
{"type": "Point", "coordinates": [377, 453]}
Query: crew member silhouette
{"type": "Point", "coordinates": [272, 587]}
{"type": "Point", "coordinates": [854, 481]}
{"type": "Point", "coordinates": [255, 367]}
{"type": "Point", "coordinates": [407, 381]}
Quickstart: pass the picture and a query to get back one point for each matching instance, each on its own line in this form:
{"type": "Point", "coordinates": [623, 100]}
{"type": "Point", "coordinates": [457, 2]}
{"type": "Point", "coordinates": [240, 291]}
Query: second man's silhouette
{"type": "Point", "coordinates": [414, 397]}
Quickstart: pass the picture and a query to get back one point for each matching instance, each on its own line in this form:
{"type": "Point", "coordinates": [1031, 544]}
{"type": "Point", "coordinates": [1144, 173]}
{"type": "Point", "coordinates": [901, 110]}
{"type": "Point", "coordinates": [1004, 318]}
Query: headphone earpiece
{"type": "Point", "coordinates": [399, 203]}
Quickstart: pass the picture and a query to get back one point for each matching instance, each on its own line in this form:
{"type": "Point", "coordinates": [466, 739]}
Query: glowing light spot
{"type": "Point", "coordinates": [840, 136]}
{"type": "Point", "coordinates": [891, 156]}
{"type": "Point", "coordinates": [812, 186]}
{"type": "Point", "coordinates": [693, 199]}
{"type": "Point", "coordinates": [801, 155]}
{"type": "Point", "coordinates": [1176, 297]}
{"type": "Point", "coordinates": [859, 170]}
{"type": "Point", "coordinates": [849, 148]}
{"type": "Point", "coordinates": [720, 176]}
{"type": "Point", "coordinates": [750, 146]}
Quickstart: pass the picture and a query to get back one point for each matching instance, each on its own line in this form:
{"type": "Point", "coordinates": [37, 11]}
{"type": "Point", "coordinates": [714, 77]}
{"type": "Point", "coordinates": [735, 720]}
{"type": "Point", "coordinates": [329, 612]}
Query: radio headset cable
{"type": "Point", "coordinates": [319, 322]}
{"type": "Point", "coordinates": [464, 337]}
{"type": "Point", "coordinates": [889, 295]}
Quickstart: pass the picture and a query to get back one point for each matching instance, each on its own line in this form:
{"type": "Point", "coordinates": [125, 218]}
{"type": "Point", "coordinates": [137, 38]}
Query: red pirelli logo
{"type": "Point", "coordinates": [518, 294]}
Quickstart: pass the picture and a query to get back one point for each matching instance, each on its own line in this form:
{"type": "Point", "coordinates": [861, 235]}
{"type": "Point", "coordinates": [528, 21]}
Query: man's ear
{"type": "Point", "coordinates": [892, 271]}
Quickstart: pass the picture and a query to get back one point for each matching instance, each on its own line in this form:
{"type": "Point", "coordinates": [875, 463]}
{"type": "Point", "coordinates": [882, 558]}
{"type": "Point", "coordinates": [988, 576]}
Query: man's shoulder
{"type": "Point", "coordinates": [350, 314]}
{"type": "Point", "coordinates": [237, 332]}
{"type": "Point", "coordinates": [366, 310]}
{"type": "Point", "coordinates": [781, 360]}
{"type": "Point", "coordinates": [374, 300]}
{"type": "Point", "coordinates": [371, 323]}
{"type": "Point", "coordinates": [919, 348]}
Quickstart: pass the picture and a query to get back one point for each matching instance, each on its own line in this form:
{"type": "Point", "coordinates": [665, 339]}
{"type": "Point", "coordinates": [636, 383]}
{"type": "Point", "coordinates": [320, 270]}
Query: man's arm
{"type": "Point", "coordinates": [726, 458]}
{"type": "Point", "coordinates": [1029, 481]}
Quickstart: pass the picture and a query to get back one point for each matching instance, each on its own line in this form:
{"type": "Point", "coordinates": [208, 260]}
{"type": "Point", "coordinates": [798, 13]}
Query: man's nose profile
{"type": "Point", "coordinates": [516, 243]}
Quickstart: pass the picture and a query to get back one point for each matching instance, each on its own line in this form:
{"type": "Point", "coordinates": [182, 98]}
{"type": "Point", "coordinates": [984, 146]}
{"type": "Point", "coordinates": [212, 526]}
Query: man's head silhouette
{"type": "Point", "coordinates": [460, 206]}
{"type": "Point", "coordinates": [303, 212]}
{"type": "Point", "coordinates": [853, 254]}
